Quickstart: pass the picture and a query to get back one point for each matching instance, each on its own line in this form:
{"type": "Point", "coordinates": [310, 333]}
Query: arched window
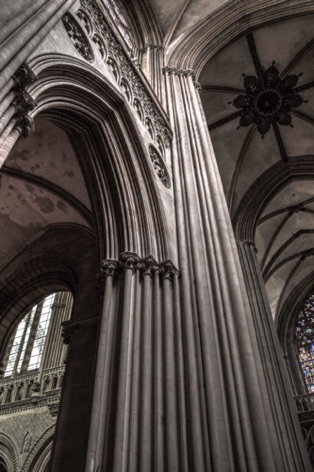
{"type": "Point", "coordinates": [26, 347]}
{"type": "Point", "coordinates": [119, 19]}
{"type": "Point", "coordinates": [305, 342]}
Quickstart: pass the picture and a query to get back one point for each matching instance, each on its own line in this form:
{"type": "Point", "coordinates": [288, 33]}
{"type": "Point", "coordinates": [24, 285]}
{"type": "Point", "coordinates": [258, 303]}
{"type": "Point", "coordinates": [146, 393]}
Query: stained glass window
{"type": "Point", "coordinates": [305, 341]}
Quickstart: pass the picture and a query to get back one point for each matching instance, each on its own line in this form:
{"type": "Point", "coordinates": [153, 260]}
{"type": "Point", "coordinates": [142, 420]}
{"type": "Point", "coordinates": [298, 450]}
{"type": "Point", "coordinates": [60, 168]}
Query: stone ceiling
{"type": "Point", "coordinates": [260, 115]}
{"type": "Point", "coordinates": [41, 186]}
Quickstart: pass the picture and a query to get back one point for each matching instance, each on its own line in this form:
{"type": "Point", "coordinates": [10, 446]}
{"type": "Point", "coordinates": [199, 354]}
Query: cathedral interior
{"type": "Point", "coordinates": [156, 243]}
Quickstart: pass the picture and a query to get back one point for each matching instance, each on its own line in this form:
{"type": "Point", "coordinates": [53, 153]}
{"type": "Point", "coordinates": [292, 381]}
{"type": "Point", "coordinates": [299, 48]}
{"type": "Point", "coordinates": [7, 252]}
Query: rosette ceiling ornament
{"type": "Point", "coordinates": [268, 99]}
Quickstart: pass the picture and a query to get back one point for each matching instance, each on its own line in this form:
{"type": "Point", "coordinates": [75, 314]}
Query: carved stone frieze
{"type": "Point", "coordinates": [95, 23]}
{"type": "Point", "coordinates": [78, 37]}
{"type": "Point", "coordinates": [159, 166]}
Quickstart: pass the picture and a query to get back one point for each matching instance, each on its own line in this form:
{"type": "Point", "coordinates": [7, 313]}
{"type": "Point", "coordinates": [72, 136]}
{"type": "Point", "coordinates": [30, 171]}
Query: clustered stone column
{"type": "Point", "coordinates": [138, 415]}
{"type": "Point", "coordinates": [228, 403]}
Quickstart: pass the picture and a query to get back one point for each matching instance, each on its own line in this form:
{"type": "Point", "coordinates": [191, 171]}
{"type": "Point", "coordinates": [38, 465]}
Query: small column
{"type": "Point", "coordinates": [140, 422]}
{"type": "Point", "coordinates": [100, 405]}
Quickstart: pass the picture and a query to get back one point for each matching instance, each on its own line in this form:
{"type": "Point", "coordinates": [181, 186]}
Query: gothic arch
{"type": "Point", "coordinates": [8, 452]}
{"type": "Point", "coordinates": [265, 189]}
{"type": "Point", "coordinates": [31, 274]}
{"type": "Point", "coordinates": [38, 457]}
{"type": "Point", "coordinates": [227, 24]}
{"type": "Point", "coordinates": [285, 324]}
{"type": "Point", "coordinates": [91, 111]}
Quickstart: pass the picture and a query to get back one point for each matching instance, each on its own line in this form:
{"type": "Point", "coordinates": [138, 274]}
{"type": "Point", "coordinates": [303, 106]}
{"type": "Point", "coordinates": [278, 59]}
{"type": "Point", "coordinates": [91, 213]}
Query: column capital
{"type": "Point", "coordinates": [248, 243]}
{"type": "Point", "coordinates": [151, 266]}
{"type": "Point", "coordinates": [24, 76]}
{"type": "Point", "coordinates": [24, 124]}
{"type": "Point", "coordinates": [130, 260]}
{"type": "Point", "coordinates": [168, 270]}
{"type": "Point", "coordinates": [179, 72]}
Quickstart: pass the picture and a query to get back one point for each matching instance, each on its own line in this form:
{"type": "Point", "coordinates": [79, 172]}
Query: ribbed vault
{"type": "Point", "coordinates": [258, 95]}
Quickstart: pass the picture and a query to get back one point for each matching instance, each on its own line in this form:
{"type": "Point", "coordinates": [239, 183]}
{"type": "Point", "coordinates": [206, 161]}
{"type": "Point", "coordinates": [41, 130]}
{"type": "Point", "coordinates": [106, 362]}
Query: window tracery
{"type": "Point", "coordinates": [305, 342]}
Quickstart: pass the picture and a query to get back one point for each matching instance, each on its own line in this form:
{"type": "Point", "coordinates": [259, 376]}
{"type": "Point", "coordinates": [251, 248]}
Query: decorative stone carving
{"type": "Point", "coordinates": [179, 72]}
{"type": "Point", "coordinates": [26, 442]}
{"type": "Point", "coordinates": [23, 101]}
{"type": "Point", "coordinates": [147, 265]}
{"type": "Point", "coordinates": [168, 270]}
{"type": "Point", "coordinates": [24, 76]}
{"type": "Point", "coordinates": [77, 37]}
{"type": "Point", "coordinates": [54, 409]}
{"type": "Point", "coordinates": [268, 99]}
{"type": "Point", "coordinates": [159, 166]}
{"type": "Point", "coordinates": [130, 260]}
{"type": "Point", "coordinates": [123, 67]}
{"type": "Point", "coordinates": [36, 387]}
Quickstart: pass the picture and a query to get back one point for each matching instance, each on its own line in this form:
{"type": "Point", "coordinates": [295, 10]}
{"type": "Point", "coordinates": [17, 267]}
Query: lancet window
{"type": "Point", "coordinates": [305, 342]}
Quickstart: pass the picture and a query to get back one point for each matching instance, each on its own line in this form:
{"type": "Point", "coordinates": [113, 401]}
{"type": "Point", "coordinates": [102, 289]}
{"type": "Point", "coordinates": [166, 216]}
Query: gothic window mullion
{"type": "Point", "coordinates": [32, 337]}
{"type": "Point", "coordinates": [17, 359]}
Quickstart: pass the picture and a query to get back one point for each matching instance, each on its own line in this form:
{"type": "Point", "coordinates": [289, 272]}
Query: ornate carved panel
{"type": "Point", "coordinates": [78, 37]}
{"type": "Point", "coordinates": [159, 166]}
{"type": "Point", "coordinates": [124, 71]}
